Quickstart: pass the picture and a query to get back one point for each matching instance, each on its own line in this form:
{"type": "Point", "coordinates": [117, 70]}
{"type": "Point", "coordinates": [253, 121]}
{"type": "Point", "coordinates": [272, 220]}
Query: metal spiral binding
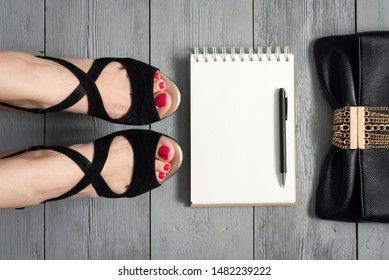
{"type": "Point", "coordinates": [259, 53]}
{"type": "Point", "coordinates": [205, 53]}
{"type": "Point", "coordinates": [233, 53]}
{"type": "Point", "coordinates": [214, 53]}
{"type": "Point", "coordinates": [223, 54]}
{"type": "Point", "coordinates": [278, 55]}
{"type": "Point", "coordinates": [241, 54]}
{"type": "Point", "coordinates": [286, 52]}
{"type": "Point", "coordinates": [251, 53]}
{"type": "Point", "coordinates": [196, 54]}
{"type": "Point", "coordinates": [268, 53]}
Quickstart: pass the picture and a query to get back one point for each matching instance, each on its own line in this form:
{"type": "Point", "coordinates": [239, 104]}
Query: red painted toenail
{"type": "Point", "coordinates": [160, 100]}
{"type": "Point", "coordinates": [156, 76]}
{"type": "Point", "coordinates": [166, 167]}
{"type": "Point", "coordinates": [163, 152]}
{"type": "Point", "coordinates": [161, 176]}
{"type": "Point", "coordinates": [161, 85]}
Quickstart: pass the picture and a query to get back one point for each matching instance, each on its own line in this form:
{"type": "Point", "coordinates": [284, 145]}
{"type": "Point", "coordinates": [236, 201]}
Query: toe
{"type": "Point", "coordinates": [162, 166]}
{"type": "Point", "coordinates": [161, 176]}
{"type": "Point", "coordinates": [168, 158]}
{"type": "Point", "coordinates": [166, 94]}
{"type": "Point", "coordinates": [159, 85]}
{"type": "Point", "coordinates": [165, 150]}
{"type": "Point", "coordinates": [161, 169]}
{"type": "Point", "coordinates": [157, 76]}
{"type": "Point", "coordinates": [163, 102]}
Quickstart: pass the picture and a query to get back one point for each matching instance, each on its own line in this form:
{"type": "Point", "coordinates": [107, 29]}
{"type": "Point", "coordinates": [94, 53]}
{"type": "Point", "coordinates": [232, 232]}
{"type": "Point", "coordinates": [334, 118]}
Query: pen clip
{"type": "Point", "coordinates": [286, 107]}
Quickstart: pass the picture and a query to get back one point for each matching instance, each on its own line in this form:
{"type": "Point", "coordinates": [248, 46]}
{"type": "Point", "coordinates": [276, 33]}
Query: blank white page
{"type": "Point", "coordinates": [235, 158]}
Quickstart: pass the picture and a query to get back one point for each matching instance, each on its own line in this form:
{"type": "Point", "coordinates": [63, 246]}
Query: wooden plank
{"type": "Point", "coordinates": [177, 231]}
{"type": "Point", "coordinates": [372, 15]}
{"type": "Point", "coordinates": [373, 240]}
{"type": "Point", "coordinates": [95, 228]}
{"type": "Point", "coordinates": [21, 29]}
{"type": "Point", "coordinates": [295, 232]}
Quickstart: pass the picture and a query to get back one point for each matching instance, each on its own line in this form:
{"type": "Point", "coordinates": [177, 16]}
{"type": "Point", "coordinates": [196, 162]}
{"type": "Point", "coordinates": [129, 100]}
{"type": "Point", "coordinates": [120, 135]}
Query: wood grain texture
{"type": "Point", "coordinates": [177, 231]}
{"type": "Point", "coordinates": [95, 228]}
{"type": "Point", "coordinates": [373, 239]}
{"type": "Point", "coordinates": [120, 229]}
{"type": "Point", "coordinates": [21, 29]}
{"type": "Point", "coordinates": [372, 15]}
{"type": "Point", "coordinates": [295, 232]}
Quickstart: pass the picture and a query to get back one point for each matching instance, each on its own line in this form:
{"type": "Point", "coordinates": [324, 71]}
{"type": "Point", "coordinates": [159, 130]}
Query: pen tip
{"type": "Point", "coordinates": [283, 180]}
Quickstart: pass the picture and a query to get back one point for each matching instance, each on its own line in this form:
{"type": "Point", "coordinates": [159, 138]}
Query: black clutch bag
{"type": "Point", "coordinates": [354, 73]}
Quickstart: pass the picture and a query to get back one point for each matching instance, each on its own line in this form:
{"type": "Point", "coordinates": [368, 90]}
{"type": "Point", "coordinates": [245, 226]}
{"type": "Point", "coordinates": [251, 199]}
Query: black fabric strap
{"type": "Point", "coordinates": [141, 75]}
{"type": "Point", "coordinates": [87, 86]}
{"type": "Point", "coordinates": [142, 90]}
{"type": "Point", "coordinates": [72, 99]}
{"type": "Point", "coordinates": [142, 110]}
{"type": "Point", "coordinates": [79, 92]}
{"type": "Point", "coordinates": [81, 161]}
{"type": "Point", "coordinates": [91, 171]}
{"type": "Point", "coordinates": [32, 110]}
{"type": "Point", "coordinates": [15, 154]}
{"type": "Point", "coordinates": [144, 144]}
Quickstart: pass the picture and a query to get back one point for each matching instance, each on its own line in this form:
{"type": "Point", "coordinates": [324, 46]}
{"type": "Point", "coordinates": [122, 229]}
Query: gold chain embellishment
{"type": "Point", "coordinates": [358, 127]}
{"type": "Point", "coordinates": [341, 128]}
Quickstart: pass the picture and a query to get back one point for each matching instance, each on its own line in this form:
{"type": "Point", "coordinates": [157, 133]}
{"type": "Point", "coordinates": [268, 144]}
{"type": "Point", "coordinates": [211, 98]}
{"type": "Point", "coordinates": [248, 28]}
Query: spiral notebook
{"type": "Point", "coordinates": [235, 145]}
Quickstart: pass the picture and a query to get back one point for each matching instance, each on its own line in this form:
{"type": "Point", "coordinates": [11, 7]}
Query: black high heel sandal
{"type": "Point", "coordinates": [142, 110]}
{"type": "Point", "coordinates": [144, 145]}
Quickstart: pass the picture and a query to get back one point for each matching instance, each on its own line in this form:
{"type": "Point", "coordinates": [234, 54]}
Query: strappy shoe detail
{"type": "Point", "coordinates": [144, 144]}
{"type": "Point", "coordinates": [142, 110]}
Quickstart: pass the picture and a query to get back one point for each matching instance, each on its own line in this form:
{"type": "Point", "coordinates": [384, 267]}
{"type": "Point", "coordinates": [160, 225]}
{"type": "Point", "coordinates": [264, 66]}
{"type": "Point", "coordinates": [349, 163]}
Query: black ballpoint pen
{"type": "Point", "coordinates": [283, 118]}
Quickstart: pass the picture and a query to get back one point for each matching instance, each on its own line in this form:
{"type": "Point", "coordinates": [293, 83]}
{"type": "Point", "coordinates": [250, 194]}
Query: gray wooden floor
{"type": "Point", "coordinates": [160, 225]}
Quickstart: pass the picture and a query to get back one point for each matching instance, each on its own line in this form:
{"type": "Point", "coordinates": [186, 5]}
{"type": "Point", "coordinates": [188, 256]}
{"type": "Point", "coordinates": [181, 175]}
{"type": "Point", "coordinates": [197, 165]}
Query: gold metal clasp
{"type": "Point", "coordinates": [361, 127]}
{"type": "Point", "coordinates": [348, 131]}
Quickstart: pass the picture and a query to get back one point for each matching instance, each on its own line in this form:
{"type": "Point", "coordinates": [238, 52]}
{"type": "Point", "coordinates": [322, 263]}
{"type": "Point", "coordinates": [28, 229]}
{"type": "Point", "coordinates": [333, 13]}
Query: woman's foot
{"type": "Point", "coordinates": [33, 82]}
{"type": "Point", "coordinates": [119, 167]}
{"type": "Point", "coordinates": [48, 174]}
